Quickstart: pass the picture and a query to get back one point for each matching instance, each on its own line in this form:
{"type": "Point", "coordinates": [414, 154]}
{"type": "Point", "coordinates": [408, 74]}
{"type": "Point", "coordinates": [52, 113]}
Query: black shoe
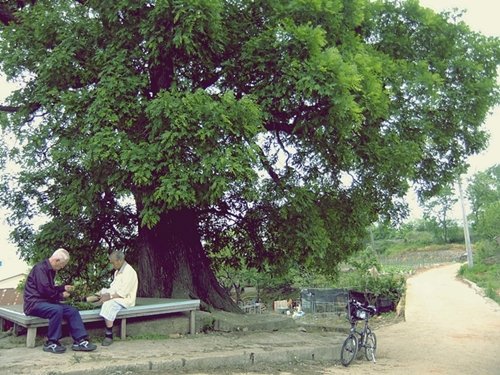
{"type": "Point", "coordinates": [83, 345]}
{"type": "Point", "coordinates": [107, 341]}
{"type": "Point", "coordinates": [53, 347]}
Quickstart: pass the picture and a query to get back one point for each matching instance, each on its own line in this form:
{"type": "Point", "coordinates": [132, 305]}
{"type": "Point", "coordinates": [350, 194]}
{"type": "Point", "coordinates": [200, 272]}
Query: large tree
{"type": "Point", "coordinates": [277, 129]}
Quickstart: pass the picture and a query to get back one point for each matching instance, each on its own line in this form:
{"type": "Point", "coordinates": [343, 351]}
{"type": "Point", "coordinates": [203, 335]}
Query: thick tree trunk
{"type": "Point", "coordinates": [173, 264]}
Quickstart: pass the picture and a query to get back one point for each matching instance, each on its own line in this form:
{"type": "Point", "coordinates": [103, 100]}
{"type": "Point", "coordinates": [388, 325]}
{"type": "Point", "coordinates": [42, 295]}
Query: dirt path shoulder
{"type": "Point", "coordinates": [449, 329]}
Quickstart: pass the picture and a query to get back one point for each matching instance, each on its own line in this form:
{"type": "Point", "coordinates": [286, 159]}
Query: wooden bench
{"type": "Point", "coordinates": [143, 307]}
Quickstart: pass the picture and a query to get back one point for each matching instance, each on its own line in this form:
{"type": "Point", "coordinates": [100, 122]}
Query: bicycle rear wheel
{"type": "Point", "coordinates": [370, 346]}
{"type": "Point", "coordinates": [349, 350]}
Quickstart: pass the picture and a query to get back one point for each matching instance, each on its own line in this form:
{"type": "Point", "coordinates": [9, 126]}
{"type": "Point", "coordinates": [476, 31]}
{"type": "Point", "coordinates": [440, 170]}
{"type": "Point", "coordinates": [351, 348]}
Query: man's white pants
{"type": "Point", "coordinates": [110, 308]}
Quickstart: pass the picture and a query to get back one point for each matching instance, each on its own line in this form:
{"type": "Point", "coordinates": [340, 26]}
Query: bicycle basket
{"type": "Point", "coordinates": [359, 312]}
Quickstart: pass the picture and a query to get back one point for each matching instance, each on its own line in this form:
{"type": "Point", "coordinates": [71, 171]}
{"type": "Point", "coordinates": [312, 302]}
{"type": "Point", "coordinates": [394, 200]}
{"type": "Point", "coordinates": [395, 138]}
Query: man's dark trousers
{"type": "Point", "coordinates": [56, 312]}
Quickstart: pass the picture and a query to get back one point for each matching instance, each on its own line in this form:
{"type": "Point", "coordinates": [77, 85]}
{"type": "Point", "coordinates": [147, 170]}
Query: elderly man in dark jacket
{"type": "Point", "coordinates": [43, 298]}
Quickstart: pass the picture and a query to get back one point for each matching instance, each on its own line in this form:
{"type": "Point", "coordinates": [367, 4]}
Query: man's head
{"type": "Point", "coordinates": [117, 258]}
{"type": "Point", "coordinates": [59, 259]}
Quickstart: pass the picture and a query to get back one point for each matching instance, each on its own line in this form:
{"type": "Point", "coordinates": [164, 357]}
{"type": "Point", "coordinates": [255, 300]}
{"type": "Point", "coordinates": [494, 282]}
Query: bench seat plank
{"type": "Point", "coordinates": [143, 307]}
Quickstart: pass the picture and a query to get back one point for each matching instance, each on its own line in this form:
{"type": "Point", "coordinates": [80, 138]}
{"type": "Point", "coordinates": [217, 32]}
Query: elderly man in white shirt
{"type": "Point", "coordinates": [120, 294]}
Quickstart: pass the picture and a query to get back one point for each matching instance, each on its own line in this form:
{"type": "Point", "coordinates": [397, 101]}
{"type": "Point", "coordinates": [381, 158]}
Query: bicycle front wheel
{"type": "Point", "coordinates": [349, 350]}
{"type": "Point", "coordinates": [370, 346]}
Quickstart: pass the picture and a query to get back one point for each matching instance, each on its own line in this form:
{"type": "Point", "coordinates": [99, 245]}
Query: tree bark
{"type": "Point", "coordinates": [173, 264]}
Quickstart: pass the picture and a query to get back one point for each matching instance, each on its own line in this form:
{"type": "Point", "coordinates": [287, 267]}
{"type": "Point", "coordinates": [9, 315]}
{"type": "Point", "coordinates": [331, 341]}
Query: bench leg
{"type": "Point", "coordinates": [2, 324]}
{"type": "Point", "coordinates": [31, 337]}
{"type": "Point", "coordinates": [16, 330]}
{"type": "Point", "coordinates": [123, 329]}
{"type": "Point", "coordinates": [192, 322]}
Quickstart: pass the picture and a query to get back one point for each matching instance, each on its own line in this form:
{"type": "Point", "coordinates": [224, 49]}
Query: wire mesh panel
{"type": "Point", "coordinates": [323, 300]}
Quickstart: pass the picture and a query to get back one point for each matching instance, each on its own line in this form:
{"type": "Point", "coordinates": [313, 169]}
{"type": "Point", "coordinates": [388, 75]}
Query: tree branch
{"type": "Point", "coordinates": [6, 14]}
{"type": "Point", "coordinates": [31, 108]}
{"type": "Point", "coordinates": [4, 108]}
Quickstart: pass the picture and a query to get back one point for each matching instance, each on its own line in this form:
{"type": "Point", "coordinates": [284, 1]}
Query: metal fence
{"type": "Point", "coordinates": [415, 260]}
{"type": "Point", "coordinates": [323, 300]}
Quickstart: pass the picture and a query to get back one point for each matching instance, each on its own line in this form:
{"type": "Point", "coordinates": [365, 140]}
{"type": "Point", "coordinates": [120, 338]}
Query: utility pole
{"type": "Point", "coordinates": [466, 226]}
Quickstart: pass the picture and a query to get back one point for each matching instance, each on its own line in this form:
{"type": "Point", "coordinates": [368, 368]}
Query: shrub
{"type": "Point", "coordinates": [387, 285]}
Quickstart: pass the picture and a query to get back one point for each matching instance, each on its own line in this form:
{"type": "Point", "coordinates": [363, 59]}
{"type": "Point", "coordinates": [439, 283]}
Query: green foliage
{"type": "Point", "coordinates": [414, 235]}
{"type": "Point", "coordinates": [409, 236]}
{"type": "Point", "coordinates": [287, 126]}
{"type": "Point", "coordinates": [486, 270]}
{"type": "Point", "coordinates": [488, 225]}
{"type": "Point", "coordinates": [482, 191]}
{"type": "Point", "coordinates": [208, 325]}
{"type": "Point", "coordinates": [365, 280]}
{"type": "Point", "coordinates": [486, 249]}
{"type": "Point", "coordinates": [455, 233]}
{"type": "Point", "coordinates": [310, 279]}
{"type": "Point", "coordinates": [148, 336]}
{"type": "Point", "coordinates": [437, 209]}
{"type": "Point", "coordinates": [364, 261]}
{"type": "Point", "coordinates": [81, 305]}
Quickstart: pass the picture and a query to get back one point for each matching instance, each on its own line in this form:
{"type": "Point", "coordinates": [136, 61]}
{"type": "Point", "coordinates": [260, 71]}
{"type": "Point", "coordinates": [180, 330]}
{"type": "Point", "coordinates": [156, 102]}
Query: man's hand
{"type": "Point", "coordinates": [66, 295]}
{"type": "Point", "coordinates": [92, 299]}
{"type": "Point", "coordinates": [69, 288]}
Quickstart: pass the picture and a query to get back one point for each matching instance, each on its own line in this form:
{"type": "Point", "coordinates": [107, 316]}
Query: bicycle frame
{"type": "Point", "coordinates": [358, 339]}
{"type": "Point", "coordinates": [362, 334]}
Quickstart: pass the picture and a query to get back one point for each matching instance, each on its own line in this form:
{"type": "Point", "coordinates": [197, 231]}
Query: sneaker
{"type": "Point", "coordinates": [83, 345]}
{"type": "Point", "coordinates": [53, 347]}
{"type": "Point", "coordinates": [107, 341]}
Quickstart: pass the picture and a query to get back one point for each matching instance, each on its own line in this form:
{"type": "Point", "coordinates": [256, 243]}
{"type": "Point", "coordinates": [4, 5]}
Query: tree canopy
{"type": "Point", "coordinates": [277, 129]}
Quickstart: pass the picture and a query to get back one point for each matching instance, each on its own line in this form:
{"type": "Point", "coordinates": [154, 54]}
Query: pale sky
{"type": "Point", "coordinates": [482, 16]}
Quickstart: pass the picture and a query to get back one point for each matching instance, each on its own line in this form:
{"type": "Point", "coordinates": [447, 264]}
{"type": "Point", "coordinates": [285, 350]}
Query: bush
{"type": "Point", "coordinates": [374, 286]}
{"type": "Point", "coordinates": [486, 249]}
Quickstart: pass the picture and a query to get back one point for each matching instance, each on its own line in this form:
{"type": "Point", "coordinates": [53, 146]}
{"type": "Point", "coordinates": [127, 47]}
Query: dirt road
{"type": "Point", "coordinates": [449, 329]}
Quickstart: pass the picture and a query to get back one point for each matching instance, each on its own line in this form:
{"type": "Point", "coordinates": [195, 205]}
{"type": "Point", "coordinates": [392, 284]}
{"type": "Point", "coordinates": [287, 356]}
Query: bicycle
{"type": "Point", "coordinates": [367, 339]}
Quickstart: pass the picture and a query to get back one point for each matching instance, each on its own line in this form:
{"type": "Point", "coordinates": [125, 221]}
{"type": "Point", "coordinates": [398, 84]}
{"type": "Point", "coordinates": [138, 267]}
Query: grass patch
{"type": "Point", "coordinates": [486, 270]}
{"type": "Point", "coordinates": [485, 276]}
{"type": "Point", "coordinates": [76, 358]}
{"type": "Point", "coordinates": [208, 325]}
{"type": "Point", "coordinates": [148, 336]}
{"type": "Point", "coordinates": [10, 341]}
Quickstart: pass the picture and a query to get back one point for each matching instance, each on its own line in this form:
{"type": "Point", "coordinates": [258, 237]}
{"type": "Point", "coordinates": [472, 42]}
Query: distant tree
{"type": "Point", "coordinates": [438, 208]}
{"type": "Point", "coordinates": [483, 190]}
{"type": "Point", "coordinates": [382, 231]}
{"type": "Point", "coordinates": [488, 225]}
{"type": "Point", "coordinates": [279, 129]}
